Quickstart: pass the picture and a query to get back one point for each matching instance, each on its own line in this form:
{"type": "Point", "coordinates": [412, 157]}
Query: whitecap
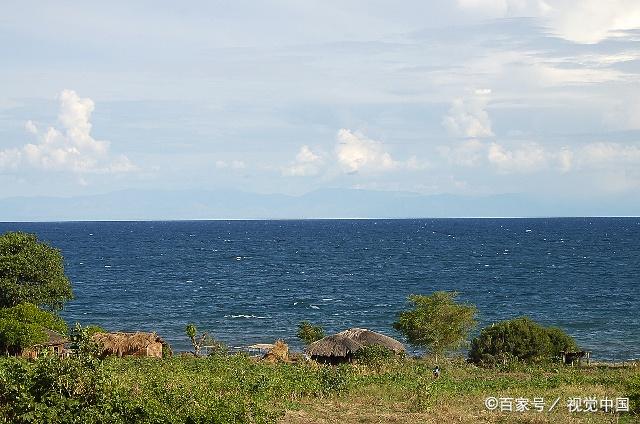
{"type": "Point", "coordinates": [244, 316]}
{"type": "Point", "coordinates": [107, 266]}
{"type": "Point", "coordinates": [527, 231]}
{"type": "Point", "coordinates": [314, 307]}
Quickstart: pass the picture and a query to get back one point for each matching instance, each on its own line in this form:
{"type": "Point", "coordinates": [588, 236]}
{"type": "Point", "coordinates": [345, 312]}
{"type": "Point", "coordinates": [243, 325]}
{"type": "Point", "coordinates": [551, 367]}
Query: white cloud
{"type": "Point", "coordinates": [584, 21]}
{"type": "Point", "coordinates": [609, 154]}
{"type": "Point", "coordinates": [355, 153]}
{"type": "Point", "coordinates": [469, 118]}
{"type": "Point", "coordinates": [565, 158]}
{"type": "Point", "coordinates": [69, 149]}
{"type": "Point", "coordinates": [307, 163]}
{"type": "Point", "coordinates": [529, 157]}
{"type": "Point", "coordinates": [532, 157]}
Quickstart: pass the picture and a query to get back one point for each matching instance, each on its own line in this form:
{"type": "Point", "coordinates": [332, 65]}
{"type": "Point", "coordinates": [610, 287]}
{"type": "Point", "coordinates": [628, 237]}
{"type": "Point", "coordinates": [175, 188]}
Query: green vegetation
{"type": "Point", "coordinates": [519, 339]}
{"type": "Point", "coordinates": [31, 271]}
{"type": "Point", "coordinates": [437, 322]}
{"type": "Point", "coordinates": [213, 346]}
{"type": "Point", "coordinates": [309, 333]}
{"type": "Point", "coordinates": [23, 326]}
{"type": "Point", "coordinates": [238, 389]}
{"type": "Point", "coordinates": [31, 276]}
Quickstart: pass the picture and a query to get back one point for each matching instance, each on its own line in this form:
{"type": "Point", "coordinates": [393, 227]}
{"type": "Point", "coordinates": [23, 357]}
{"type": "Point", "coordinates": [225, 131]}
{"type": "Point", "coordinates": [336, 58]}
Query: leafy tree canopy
{"type": "Point", "coordinates": [31, 271]}
{"type": "Point", "coordinates": [436, 322]}
{"type": "Point", "coordinates": [23, 326]}
{"type": "Point", "coordinates": [309, 333]}
{"type": "Point", "coordinates": [520, 339]}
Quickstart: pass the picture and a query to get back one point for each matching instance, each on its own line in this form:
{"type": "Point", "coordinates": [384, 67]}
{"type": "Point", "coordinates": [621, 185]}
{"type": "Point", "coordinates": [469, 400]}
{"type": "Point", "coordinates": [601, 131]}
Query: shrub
{"type": "Point", "coordinates": [23, 326]}
{"type": "Point", "coordinates": [519, 339]}
{"type": "Point", "coordinates": [309, 333]}
{"type": "Point", "coordinates": [374, 355]}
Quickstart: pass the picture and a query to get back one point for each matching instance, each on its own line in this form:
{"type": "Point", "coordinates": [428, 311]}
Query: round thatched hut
{"type": "Point", "coordinates": [342, 347]}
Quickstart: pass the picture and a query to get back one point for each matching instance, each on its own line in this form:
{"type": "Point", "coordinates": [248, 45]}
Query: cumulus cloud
{"type": "Point", "coordinates": [584, 21]}
{"type": "Point", "coordinates": [355, 152]}
{"type": "Point", "coordinates": [307, 163]}
{"type": "Point", "coordinates": [68, 149]}
{"type": "Point", "coordinates": [468, 117]}
{"type": "Point", "coordinates": [529, 157]}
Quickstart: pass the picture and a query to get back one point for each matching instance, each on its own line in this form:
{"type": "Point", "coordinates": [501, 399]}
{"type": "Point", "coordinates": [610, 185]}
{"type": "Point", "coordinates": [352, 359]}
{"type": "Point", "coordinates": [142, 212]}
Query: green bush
{"type": "Point", "coordinates": [374, 355]}
{"type": "Point", "coordinates": [519, 339]}
{"type": "Point", "coordinates": [309, 333]}
{"type": "Point", "coordinates": [23, 326]}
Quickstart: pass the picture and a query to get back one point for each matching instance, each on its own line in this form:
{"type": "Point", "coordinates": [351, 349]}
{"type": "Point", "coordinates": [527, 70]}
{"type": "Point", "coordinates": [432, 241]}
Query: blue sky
{"type": "Point", "coordinates": [469, 97]}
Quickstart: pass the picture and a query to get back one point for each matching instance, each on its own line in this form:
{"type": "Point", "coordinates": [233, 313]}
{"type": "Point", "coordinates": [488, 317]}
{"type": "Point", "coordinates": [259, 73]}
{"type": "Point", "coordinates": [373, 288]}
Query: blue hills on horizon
{"type": "Point", "coordinates": [136, 204]}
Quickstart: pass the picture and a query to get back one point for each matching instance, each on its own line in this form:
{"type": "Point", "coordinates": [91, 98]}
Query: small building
{"type": "Point", "coordinates": [342, 347]}
{"type": "Point", "coordinates": [55, 343]}
{"type": "Point", "coordinates": [131, 344]}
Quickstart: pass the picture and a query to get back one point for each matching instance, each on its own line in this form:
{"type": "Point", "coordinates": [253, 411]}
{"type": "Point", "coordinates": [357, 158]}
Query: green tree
{"type": "Point", "coordinates": [23, 326]}
{"type": "Point", "coordinates": [31, 271]}
{"type": "Point", "coordinates": [309, 333]}
{"type": "Point", "coordinates": [520, 339]}
{"type": "Point", "coordinates": [436, 322]}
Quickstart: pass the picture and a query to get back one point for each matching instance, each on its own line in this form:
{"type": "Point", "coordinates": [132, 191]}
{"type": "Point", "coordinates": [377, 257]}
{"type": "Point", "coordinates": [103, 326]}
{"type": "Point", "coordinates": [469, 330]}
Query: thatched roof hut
{"type": "Point", "coordinates": [55, 342]}
{"type": "Point", "coordinates": [341, 347]}
{"type": "Point", "coordinates": [134, 344]}
{"type": "Point", "coordinates": [371, 338]}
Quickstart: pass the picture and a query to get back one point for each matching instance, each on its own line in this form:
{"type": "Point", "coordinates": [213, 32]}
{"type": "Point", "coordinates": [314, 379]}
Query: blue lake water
{"type": "Point", "coordinates": [254, 281]}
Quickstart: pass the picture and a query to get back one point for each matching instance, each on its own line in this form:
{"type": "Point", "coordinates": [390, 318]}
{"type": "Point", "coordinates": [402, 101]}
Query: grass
{"type": "Point", "coordinates": [238, 389]}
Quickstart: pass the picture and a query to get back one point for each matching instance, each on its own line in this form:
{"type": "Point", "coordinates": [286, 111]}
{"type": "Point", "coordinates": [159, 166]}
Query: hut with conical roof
{"type": "Point", "coordinates": [343, 346]}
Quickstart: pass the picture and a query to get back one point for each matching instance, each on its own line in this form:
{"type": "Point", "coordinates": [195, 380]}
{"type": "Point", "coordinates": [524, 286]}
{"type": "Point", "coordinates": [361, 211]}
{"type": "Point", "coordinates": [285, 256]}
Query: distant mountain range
{"type": "Point", "coordinates": [329, 203]}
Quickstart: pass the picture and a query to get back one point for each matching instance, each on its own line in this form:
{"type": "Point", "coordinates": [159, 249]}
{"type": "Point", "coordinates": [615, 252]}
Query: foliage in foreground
{"type": "Point", "coordinates": [216, 389]}
{"type": "Point", "coordinates": [309, 333]}
{"type": "Point", "coordinates": [437, 322]}
{"type": "Point", "coordinates": [519, 339]}
{"type": "Point", "coordinates": [31, 271]}
{"type": "Point", "coordinates": [237, 389]}
{"type": "Point", "coordinates": [23, 326]}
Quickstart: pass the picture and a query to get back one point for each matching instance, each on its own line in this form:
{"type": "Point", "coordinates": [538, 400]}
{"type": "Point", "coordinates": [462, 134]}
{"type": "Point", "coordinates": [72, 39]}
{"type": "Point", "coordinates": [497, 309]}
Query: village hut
{"type": "Point", "coordinates": [131, 344]}
{"type": "Point", "coordinates": [55, 343]}
{"type": "Point", "coordinates": [342, 347]}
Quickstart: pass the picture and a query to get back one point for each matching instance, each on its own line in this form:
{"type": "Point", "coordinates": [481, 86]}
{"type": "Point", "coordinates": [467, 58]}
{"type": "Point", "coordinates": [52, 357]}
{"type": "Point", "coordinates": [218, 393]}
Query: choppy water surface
{"type": "Point", "coordinates": [254, 281]}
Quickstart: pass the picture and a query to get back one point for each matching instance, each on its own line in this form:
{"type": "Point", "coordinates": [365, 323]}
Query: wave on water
{"type": "Point", "coordinates": [245, 316]}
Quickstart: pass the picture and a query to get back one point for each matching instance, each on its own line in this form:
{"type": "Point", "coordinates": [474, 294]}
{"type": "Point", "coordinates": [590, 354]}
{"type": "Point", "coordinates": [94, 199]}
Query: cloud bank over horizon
{"type": "Point", "coordinates": [473, 97]}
